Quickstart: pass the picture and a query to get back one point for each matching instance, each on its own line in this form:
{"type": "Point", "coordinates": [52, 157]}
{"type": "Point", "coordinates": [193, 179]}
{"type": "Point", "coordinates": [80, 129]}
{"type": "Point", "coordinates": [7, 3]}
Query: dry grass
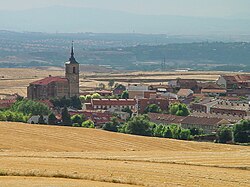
{"type": "Point", "coordinates": [87, 155]}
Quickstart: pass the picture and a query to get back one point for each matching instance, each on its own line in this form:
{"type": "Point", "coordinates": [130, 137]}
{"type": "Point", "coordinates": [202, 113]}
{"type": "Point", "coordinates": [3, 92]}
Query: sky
{"type": "Point", "coordinates": [197, 8]}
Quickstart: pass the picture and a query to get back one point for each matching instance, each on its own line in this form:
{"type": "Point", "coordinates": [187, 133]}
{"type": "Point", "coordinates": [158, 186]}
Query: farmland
{"type": "Point", "coordinates": [16, 80]}
{"type": "Point", "coordinates": [65, 156]}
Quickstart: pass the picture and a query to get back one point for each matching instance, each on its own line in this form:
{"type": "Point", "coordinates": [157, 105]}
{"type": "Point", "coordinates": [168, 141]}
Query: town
{"type": "Point", "coordinates": [185, 109]}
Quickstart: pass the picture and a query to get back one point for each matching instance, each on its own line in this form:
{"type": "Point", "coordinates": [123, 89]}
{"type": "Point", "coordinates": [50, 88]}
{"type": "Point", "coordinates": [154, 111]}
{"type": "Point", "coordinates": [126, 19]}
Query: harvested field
{"type": "Point", "coordinates": [16, 80]}
{"type": "Point", "coordinates": [32, 154]}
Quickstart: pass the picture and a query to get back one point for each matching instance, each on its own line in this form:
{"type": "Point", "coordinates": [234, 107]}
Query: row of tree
{"type": "Point", "coordinates": [73, 102]}
{"type": "Point", "coordinates": [239, 133]}
{"type": "Point", "coordinates": [141, 125]}
{"type": "Point", "coordinates": [178, 109]}
{"type": "Point", "coordinates": [22, 110]}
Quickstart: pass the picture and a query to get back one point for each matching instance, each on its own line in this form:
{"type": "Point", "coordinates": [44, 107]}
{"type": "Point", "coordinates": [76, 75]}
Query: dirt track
{"type": "Point", "coordinates": [88, 156]}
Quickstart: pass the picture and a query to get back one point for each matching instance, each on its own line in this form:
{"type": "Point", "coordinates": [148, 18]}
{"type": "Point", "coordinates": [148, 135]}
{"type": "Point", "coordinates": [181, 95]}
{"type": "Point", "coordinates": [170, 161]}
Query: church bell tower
{"type": "Point", "coordinates": [72, 74]}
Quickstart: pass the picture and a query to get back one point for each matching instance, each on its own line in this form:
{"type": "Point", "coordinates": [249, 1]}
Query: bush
{"type": "Point", "coordinates": [153, 108]}
{"type": "Point", "coordinates": [29, 107]}
{"type": "Point", "coordinates": [112, 125]}
{"type": "Point", "coordinates": [52, 119]}
{"type": "Point", "coordinates": [241, 132]}
{"type": "Point", "coordinates": [74, 102]}
{"type": "Point", "coordinates": [9, 115]}
{"type": "Point", "coordinates": [179, 109]}
{"type": "Point", "coordinates": [88, 124]}
{"type": "Point", "coordinates": [224, 134]}
{"type": "Point", "coordinates": [66, 120]}
{"type": "Point", "coordinates": [78, 119]}
{"type": "Point", "coordinates": [167, 133]}
{"type": "Point", "coordinates": [158, 131]}
{"type": "Point", "coordinates": [185, 134]}
{"type": "Point", "coordinates": [138, 125]}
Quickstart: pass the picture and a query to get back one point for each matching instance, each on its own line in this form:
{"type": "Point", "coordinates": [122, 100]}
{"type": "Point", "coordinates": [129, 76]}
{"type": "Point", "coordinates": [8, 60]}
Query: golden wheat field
{"type": "Point", "coordinates": [37, 155]}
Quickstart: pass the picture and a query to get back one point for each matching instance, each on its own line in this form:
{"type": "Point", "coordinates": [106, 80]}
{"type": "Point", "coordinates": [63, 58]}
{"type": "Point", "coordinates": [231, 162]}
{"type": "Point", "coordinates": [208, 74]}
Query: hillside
{"type": "Point", "coordinates": [94, 157]}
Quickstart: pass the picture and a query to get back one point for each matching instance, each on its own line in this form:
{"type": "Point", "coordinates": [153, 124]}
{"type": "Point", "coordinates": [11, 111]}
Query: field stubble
{"type": "Point", "coordinates": [106, 159]}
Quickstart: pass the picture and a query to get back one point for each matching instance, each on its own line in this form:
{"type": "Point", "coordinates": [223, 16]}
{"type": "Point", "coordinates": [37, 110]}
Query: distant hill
{"type": "Point", "coordinates": [66, 19]}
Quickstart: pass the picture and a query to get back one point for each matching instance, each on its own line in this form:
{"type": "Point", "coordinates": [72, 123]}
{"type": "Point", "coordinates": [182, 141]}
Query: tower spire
{"type": "Point", "coordinates": [72, 58]}
{"type": "Point", "coordinates": [72, 49]}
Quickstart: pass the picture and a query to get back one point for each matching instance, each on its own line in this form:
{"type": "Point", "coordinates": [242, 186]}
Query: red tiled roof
{"type": "Point", "coordinates": [192, 120]}
{"type": "Point", "coordinates": [49, 80]}
{"type": "Point", "coordinates": [46, 102]}
{"type": "Point", "coordinates": [114, 102]}
{"type": "Point", "coordinates": [165, 118]}
{"type": "Point", "coordinates": [213, 91]}
{"type": "Point", "coordinates": [6, 103]}
{"type": "Point", "coordinates": [184, 92]}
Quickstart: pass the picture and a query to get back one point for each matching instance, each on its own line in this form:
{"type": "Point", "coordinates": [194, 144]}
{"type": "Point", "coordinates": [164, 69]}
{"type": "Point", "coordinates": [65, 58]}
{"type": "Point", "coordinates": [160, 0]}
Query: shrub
{"type": "Point", "coordinates": [224, 134]}
{"type": "Point", "coordinates": [138, 125]}
{"type": "Point", "coordinates": [241, 132]}
{"type": "Point", "coordinates": [88, 124]}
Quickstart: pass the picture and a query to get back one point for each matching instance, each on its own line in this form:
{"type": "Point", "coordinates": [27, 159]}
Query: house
{"type": "Point", "coordinates": [6, 103]}
{"type": "Point", "coordinates": [209, 125]}
{"type": "Point", "coordinates": [243, 92]}
{"type": "Point", "coordinates": [213, 92]}
{"type": "Point", "coordinates": [163, 88]}
{"type": "Point", "coordinates": [119, 89]}
{"type": "Point", "coordinates": [115, 104]}
{"type": "Point", "coordinates": [184, 84]}
{"type": "Point", "coordinates": [143, 103]}
{"type": "Point", "coordinates": [232, 119]}
{"type": "Point", "coordinates": [234, 81]}
{"type": "Point", "coordinates": [57, 87]}
{"type": "Point", "coordinates": [185, 93]}
{"type": "Point", "coordinates": [137, 90]}
{"type": "Point", "coordinates": [99, 117]}
{"type": "Point", "coordinates": [222, 107]}
{"type": "Point", "coordinates": [229, 108]}
{"type": "Point", "coordinates": [165, 119]}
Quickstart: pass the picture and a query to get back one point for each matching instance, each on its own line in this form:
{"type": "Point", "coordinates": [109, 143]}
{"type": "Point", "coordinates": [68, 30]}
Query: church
{"type": "Point", "coordinates": [57, 87]}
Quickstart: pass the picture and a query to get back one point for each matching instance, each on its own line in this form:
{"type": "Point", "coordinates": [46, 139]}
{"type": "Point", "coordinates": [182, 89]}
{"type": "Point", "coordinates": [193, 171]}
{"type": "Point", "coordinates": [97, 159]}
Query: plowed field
{"type": "Point", "coordinates": [32, 155]}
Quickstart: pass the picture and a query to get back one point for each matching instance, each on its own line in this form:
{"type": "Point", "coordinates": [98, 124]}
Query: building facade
{"type": "Point", "coordinates": [57, 87]}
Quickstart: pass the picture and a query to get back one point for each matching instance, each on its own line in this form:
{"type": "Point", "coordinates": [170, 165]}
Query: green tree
{"type": "Point", "coordinates": [78, 119]}
{"type": "Point", "coordinates": [167, 133]}
{"type": "Point", "coordinates": [128, 110]}
{"type": "Point", "coordinates": [179, 109]}
{"type": "Point", "coordinates": [139, 125]}
{"type": "Point", "coordinates": [153, 108]}
{"type": "Point", "coordinates": [113, 125]}
{"type": "Point", "coordinates": [66, 120]}
{"type": "Point", "coordinates": [76, 102]}
{"type": "Point", "coordinates": [52, 119]}
{"type": "Point", "coordinates": [185, 134]}
{"type": "Point", "coordinates": [88, 124]}
{"type": "Point", "coordinates": [111, 83]}
{"type": "Point", "coordinates": [224, 134]}
{"type": "Point", "coordinates": [195, 131]}
{"type": "Point", "coordinates": [158, 130]}
{"type": "Point", "coordinates": [125, 95]}
{"type": "Point", "coordinates": [241, 132]}
{"type": "Point", "coordinates": [29, 107]}
{"type": "Point", "coordinates": [96, 96]}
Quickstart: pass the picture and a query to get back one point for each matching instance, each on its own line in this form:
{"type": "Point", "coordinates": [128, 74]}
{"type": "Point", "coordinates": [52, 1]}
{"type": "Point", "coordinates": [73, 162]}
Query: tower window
{"type": "Point", "coordinates": [74, 69]}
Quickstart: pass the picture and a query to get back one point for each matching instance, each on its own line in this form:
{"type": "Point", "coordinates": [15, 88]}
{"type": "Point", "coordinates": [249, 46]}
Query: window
{"type": "Point", "coordinates": [74, 69]}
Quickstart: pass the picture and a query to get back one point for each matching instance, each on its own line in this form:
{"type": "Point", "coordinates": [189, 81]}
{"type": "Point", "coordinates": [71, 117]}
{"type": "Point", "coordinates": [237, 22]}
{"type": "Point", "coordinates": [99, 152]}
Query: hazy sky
{"type": "Point", "coordinates": [211, 8]}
